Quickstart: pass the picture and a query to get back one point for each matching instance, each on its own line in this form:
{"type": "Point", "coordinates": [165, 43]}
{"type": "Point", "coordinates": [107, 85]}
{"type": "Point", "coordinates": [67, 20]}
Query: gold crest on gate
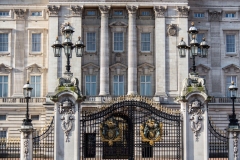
{"type": "Point", "coordinates": [111, 131]}
{"type": "Point", "coordinates": [151, 131]}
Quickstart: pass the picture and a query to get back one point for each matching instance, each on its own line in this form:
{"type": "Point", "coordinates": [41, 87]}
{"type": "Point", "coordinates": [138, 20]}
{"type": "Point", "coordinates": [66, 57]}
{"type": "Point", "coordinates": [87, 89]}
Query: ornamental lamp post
{"type": "Point", "coordinates": [232, 118]}
{"type": "Point", "coordinates": [194, 47]}
{"type": "Point", "coordinates": [68, 46]}
{"type": "Point", "coordinates": [27, 91]}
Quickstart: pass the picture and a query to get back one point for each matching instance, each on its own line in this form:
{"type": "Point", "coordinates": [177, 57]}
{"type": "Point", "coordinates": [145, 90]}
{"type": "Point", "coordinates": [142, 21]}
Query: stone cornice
{"type": "Point", "coordinates": [76, 10]}
{"type": "Point", "coordinates": [132, 9]}
{"type": "Point", "coordinates": [160, 11]}
{"type": "Point", "coordinates": [53, 10]}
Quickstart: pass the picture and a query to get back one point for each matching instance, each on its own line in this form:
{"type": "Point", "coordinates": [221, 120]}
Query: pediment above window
{"type": "Point", "coordinates": [35, 68]}
{"type": "Point", "coordinates": [231, 68]}
{"type": "Point", "coordinates": [118, 68]}
{"type": "Point", "coordinates": [146, 68]}
{"type": "Point", "coordinates": [5, 68]}
{"type": "Point", "coordinates": [202, 68]}
{"type": "Point", "coordinates": [90, 68]}
{"type": "Point", "coordinates": [118, 24]}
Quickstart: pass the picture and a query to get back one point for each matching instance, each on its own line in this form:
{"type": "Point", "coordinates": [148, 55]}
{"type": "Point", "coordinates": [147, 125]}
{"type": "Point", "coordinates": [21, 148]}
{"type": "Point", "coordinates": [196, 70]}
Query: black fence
{"type": "Point", "coordinates": [9, 149]}
{"type": "Point", "coordinates": [218, 143]}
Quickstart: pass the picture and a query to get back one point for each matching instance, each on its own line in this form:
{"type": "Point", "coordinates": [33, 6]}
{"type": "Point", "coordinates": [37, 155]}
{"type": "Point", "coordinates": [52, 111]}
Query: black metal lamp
{"type": "Point", "coordinates": [57, 48]}
{"type": "Point", "coordinates": [194, 46]}
{"type": "Point", "coordinates": [27, 91]}
{"type": "Point", "coordinates": [204, 48]}
{"type": "Point", "coordinates": [68, 46]}
{"type": "Point", "coordinates": [182, 48]}
{"type": "Point", "coordinates": [79, 47]}
{"type": "Point", "coordinates": [232, 118]}
{"type": "Point", "coordinates": [68, 31]}
{"type": "Point", "coordinates": [193, 31]}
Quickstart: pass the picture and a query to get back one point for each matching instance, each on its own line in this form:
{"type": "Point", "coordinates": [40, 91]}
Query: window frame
{"type": "Point", "coordinates": [145, 42]}
{"type": "Point", "coordinates": [36, 51]}
{"type": "Point", "coordinates": [91, 51]}
{"type": "Point", "coordinates": [150, 82]}
{"type": "Point", "coordinates": [5, 117]}
{"type": "Point", "coordinates": [229, 52]}
{"type": "Point", "coordinates": [8, 87]}
{"type": "Point", "coordinates": [40, 92]}
{"type": "Point", "coordinates": [33, 119]}
{"type": "Point", "coordinates": [119, 51]}
{"type": "Point", "coordinates": [10, 16]}
{"type": "Point", "coordinates": [198, 13]}
{"type": "Point", "coordinates": [114, 10]}
{"type": "Point", "coordinates": [9, 32]}
{"type": "Point", "coordinates": [118, 83]}
{"type": "Point", "coordinates": [230, 13]}
{"type": "Point", "coordinates": [5, 133]}
{"type": "Point", "coordinates": [145, 10]}
{"type": "Point", "coordinates": [43, 45]}
{"type": "Point", "coordinates": [90, 94]}
{"type": "Point", "coordinates": [224, 42]}
{"type": "Point", "coordinates": [31, 12]}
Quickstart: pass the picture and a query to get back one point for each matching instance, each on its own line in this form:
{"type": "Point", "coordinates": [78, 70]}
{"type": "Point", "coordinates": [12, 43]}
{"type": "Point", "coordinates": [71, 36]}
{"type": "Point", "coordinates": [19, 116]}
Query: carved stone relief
{"type": "Point", "coordinates": [53, 10]}
{"type": "Point", "coordinates": [235, 145]}
{"type": "Point", "coordinates": [104, 9]}
{"type": "Point", "coordinates": [215, 15]}
{"type": "Point", "coordinates": [159, 11]}
{"type": "Point", "coordinates": [5, 69]}
{"type": "Point", "coordinates": [172, 30]}
{"type": "Point", "coordinates": [196, 109]}
{"type": "Point", "coordinates": [132, 9]}
{"type": "Point", "coordinates": [76, 10]}
{"type": "Point", "coordinates": [20, 13]}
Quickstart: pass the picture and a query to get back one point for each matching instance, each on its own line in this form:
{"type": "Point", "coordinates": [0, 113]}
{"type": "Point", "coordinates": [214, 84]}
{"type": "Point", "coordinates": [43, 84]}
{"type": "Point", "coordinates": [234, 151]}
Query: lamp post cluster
{"type": "Point", "coordinates": [232, 118]}
{"type": "Point", "coordinates": [27, 91]}
{"type": "Point", "coordinates": [68, 46]}
{"type": "Point", "coordinates": [194, 47]}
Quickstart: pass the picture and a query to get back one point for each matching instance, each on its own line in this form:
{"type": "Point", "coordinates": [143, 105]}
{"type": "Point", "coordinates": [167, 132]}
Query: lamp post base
{"type": "Point", "coordinates": [27, 122]}
{"type": "Point", "coordinates": [233, 122]}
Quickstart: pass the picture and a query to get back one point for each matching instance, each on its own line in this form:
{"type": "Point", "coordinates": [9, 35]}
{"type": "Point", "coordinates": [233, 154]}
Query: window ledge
{"type": "Point", "coordinates": [145, 17]}
{"type": "Point", "coordinates": [35, 53]}
{"type": "Point", "coordinates": [90, 52]}
{"type": "Point", "coordinates": [91, 17]}
{"type": "Point", "coordinates": [145, 53]}
{"type": "Point", "coordinates": [4, 54]}
{"type": "Point", "coordinates": [115, 52]}
{"type": "Point", "coordinates": [231, 55]}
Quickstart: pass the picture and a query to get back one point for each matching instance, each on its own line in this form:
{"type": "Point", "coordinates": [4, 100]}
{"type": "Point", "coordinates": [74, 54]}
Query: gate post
{"type": "Point", "coordinates": [26, 145]}
{"type": "Point", "coordinates": [194, 100]}
{"type": "Point", "coordinates": [234, 144]}
{"type": "Point", "coordinates": [67, 100]}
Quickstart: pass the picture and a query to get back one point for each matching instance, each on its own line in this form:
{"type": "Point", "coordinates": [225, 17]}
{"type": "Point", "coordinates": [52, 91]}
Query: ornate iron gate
{"type": "Point", "coordinates": [43, 145]}
{"type": "Point", "coordinates": [218, 143]}
{"type": "Point", "coordinates": [131, 129]}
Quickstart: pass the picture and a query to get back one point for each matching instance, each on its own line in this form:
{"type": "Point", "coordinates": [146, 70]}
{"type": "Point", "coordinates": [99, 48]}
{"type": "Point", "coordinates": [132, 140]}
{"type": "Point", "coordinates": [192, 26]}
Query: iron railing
{"type": "Point", "coordinates": [9, 149]}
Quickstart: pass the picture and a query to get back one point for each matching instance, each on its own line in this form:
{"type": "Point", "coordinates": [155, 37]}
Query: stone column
{"type": "Point", "coordinates": [19, 55]}
{"type": "Point", "coordinates": [160, 50]}
{"type": "Point", "coordinates": [132, 50]}
{"type": "Point", "coordinates": [234, 144]}
{"type": "Point", "coordinates": [77, 25]}
{"type": "Point", "coordinates": [26, 151]}
{"type": "Point", "coordinates": [104, 51]}
{"type": "Point", "coordinates": [52, 61]}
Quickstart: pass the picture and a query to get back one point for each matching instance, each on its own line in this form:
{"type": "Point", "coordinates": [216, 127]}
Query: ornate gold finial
{"type": "Point", "coordinates": [232, 83]}
{"type": "Point", "coordinates": [203, 39]}
{"type": "Point", "coordinates": [79, 38]}
{"type": "Point", "coordinates": [68, 23]}
{"type": "Point", "coordinates": [192, 23]}
{"type": "Point", "coordinates": [182, 39]}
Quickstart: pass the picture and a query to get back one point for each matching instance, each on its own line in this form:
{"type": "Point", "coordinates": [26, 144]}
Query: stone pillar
{"type": "Point", "coordinates": [77, 25]}
{"type": "Point", "coordinates": [160, 50]}
{"type": "Point", "coordinates": [19, 55]}
{"type": "Point", "coordinates": [132, 50]}
{"type": "Point", "coordinates": [52, 61]}
{"type": "Point", "coordinates": [234, 144]}
{"type": "Point", "coordinates": [26, 150]}
{"type": "Point", "coordinates": [104, 51]}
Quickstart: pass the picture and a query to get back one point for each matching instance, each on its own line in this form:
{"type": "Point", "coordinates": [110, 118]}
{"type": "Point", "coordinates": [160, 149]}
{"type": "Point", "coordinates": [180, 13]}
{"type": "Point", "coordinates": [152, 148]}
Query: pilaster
{"type": "Point", "coordinates": [234, 144]}
{"type": "Point", "coordinates": [26, 149]}
{"type": "Point", "coordinates": [132, 50]}
{"type": "Point", "coordinates": [104, 51]}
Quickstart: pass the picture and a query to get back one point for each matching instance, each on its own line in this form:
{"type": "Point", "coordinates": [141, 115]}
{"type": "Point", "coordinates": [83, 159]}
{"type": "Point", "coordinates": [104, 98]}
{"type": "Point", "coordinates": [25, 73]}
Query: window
{"type": "Point", "coordinates": [199, 15]}
{"type": "Point", "coordinates": [35, 117]}
{"type": "Point", "coordinates": [3, 42]}
{"type": "Point", "coordinates": [3, 86]}
{"type": "Point", "coordinates": [118, 85]}
{"type": "Point", "coordinates": [91, 41]}
{"type": "Point", "coordinates": [145, 85]}
{"type": "Point", "coordinates": [36, 42]}
{"type": "Point", "coordinates": [230, 15]}
{"type": "Point", "coordinates": [91, 85]}
{"type": "Point", "coordinates": [36, 85]}
{"type": "Point", "coordinates": [118, 41]}
{"type": "Point", "coordinates": [230, 43]}
{"type": "Point", "coordinates": [36, 13]}
{"type": "Point", "coordinates": [229, 82]}
{"type": "Point", "coordinates": [118, 13]}
{"type": "Point", "coordinates": [145, 42]}
{"type": "Point", "coordinates": [3, 134]}
{"type": "Point", "coordinates": [145, 13]}
{"type": "Point", "coordinates": [4, 13]}
{"type": "Point", "coordinates": [2, 117]}
{"type": "Point", "coordinates": [91, 13]}
{"type": "Point", "coordinates": [200, 37]}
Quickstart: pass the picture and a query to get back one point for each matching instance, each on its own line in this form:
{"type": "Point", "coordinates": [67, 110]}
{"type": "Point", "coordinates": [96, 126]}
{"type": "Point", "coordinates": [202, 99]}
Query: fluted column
{"type": "Point", "coordinates": [104, 51]}
{"type": "Point", "coordinates": [132, 50]}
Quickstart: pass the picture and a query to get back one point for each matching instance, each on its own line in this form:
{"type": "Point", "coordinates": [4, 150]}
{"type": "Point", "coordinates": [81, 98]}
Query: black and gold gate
{"type": "Point", "coordinates": [131, 128]}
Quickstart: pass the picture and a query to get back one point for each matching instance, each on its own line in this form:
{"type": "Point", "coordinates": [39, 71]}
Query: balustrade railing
{"type": "Point", "coordinates": [22, 100]}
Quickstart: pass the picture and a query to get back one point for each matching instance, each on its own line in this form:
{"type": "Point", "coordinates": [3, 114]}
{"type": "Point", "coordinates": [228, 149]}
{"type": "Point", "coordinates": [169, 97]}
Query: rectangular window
{"type": "Point", "coordinates": [200, 37]}
{"type": "Point", "coordinates": [91, 85]}
{"type": "Point", "coordinates": [3, 86]}
{"type": "Point", "coordinates": [118, 85]}
{"type": "Point", "coordinates": [36, 13]}
{"type": "Point", "coordinates": [3, 42]}
{"type": "Point", "coordinates": [145, 85]}
{"type": "Point", "coordinates": [4, 13]}
{"type": "Point", "coordinates": [230, 43]}
{"type": "Point", "coordinates": [199, 15]}
{"type": "Point", "coordinates": [36, 85]}
{"type": "Point", "coordinates": [145, 13]}
{"type": "Point", "coordinates": [36, 42]}
{"type": "Point", "coordinates": [145, 42]}
{"type": "Point", "coordinates": [91, 41]}
{"type": "Point", "coordinates": [118, 41]}
{"type": "Point", "coordinates": [118, 13]}
{"type": "Point", "coordinates": [3, 134]}
{"type": "Point", "coordinates": [230, 15]}
{"type": "Point", "coordinates": [229, 81]}
{"type": "Point", "coordinates": [2, 117]}
{"type": "Point", "coordinates": [91, 13]}
{"type": "Point", "coordinates": [35, 117]}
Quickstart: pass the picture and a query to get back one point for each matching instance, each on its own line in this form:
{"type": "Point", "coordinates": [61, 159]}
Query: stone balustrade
{"type": "Point", "coordinates": [22, 100]}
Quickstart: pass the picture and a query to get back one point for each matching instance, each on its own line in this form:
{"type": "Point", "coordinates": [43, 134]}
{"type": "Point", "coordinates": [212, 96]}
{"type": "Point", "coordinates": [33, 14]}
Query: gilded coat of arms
{"type": "Point", "coordinates": [151, 131]}
{"type": "Point", "coordinates": [111, 131]}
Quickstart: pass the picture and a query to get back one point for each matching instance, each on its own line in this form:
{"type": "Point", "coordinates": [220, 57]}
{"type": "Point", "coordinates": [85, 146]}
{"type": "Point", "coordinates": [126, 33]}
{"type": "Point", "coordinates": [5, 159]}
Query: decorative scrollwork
{"type": "Point", "coordinates": [111, 131]}
{"type": "Point", "coordinates": [159, 11]}
{"type": "Point", "coordinates": [151, 131]}
{"type": "Point", "coordinates": [53, 10]}
{"type": "Point", "coordinates": [67, 123]}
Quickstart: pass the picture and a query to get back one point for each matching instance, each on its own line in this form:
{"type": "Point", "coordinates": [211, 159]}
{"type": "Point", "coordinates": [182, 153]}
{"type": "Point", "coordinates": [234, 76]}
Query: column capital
{"type": "Point", "coordinates": [132, 9]}
{"type": "Point", "coordinates": [104, 9]}
{"type": "Point", "coordinates": [183, 11]}
{"type": "Point", "coordinates": [20, 13]}
{"type": "Point", "coordinates": [53, 10]}
{"type": "Point", "coordinates": [76, 10]}
{"type": "Point", "coordinates": [160, 11]}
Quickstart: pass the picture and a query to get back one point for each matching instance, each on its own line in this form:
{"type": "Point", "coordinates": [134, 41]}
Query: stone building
{"type": "Point", "coordinates": [130, 49]}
